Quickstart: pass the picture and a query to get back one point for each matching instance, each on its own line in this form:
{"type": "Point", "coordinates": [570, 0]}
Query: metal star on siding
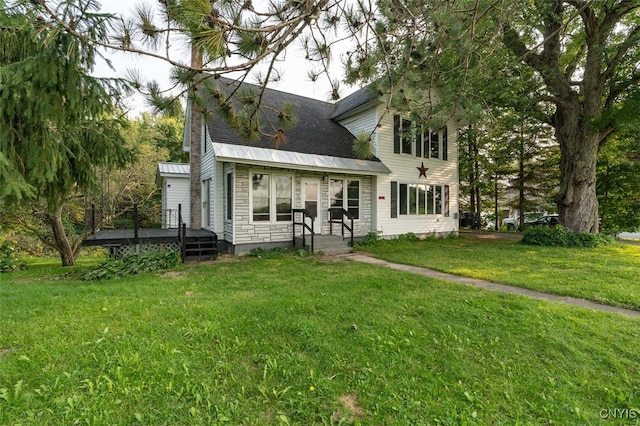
{"type": "Point", "coordinates": [423, 170]}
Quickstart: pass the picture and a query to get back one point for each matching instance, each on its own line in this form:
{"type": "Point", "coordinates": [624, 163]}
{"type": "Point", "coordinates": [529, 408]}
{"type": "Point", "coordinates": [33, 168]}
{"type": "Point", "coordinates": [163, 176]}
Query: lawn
{"type": "Point", "coordinates": [609, 275]}
{"type": "Point", "coordinates": [303, 341]}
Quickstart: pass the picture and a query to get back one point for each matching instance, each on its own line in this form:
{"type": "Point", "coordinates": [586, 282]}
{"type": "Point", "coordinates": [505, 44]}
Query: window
{"type": "Point", "coordinates": [435, 146]}
{"type": "Point", "coordinates": [283, 198]}
{"type": "Point", "coordinates": [260, 197]}
{"type": "Point", "coordinates": [430, 199]}
{"type": "Point", "coordinates": [409, 138]}
{"type": "Point", "coordinates": [353, 198]}
{"type": "Point", "coordinates": [229, 196]}
{"type": "Point", "coordinates": [419, 199]}
{"type": "Point", "coordinates": [337, 197]}
{"type": "Point", "coordinates": [438, 199]}
{"type": "Point", "coordinates": [402, 138]}
{"type": "Point", "coordinates": [268, 208]}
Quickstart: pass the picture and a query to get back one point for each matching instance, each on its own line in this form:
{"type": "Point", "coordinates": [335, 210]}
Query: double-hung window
{"type": "Point", "coordinates": [345, 194]}
{"type": "Point", "coordinates": [271, 197]}
{"type": "Point", "coordinates": [403, 137]}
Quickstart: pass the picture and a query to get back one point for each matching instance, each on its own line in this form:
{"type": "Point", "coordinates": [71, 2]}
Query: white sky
{"type": "Point", "coordinates": [293, 71]}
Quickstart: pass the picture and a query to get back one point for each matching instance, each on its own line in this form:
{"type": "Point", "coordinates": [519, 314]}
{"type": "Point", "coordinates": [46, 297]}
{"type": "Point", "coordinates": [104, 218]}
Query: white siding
{"type": "Point", "coordinates": [176, 191]}
{"type": "Point", "coordinates": [403, 167]}
{"type": "Point", "coordinates": [364, 122]}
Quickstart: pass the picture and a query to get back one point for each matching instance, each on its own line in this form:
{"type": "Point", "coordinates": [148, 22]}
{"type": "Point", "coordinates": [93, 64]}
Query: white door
{"type": "Point", "coordinates": [311, 202]}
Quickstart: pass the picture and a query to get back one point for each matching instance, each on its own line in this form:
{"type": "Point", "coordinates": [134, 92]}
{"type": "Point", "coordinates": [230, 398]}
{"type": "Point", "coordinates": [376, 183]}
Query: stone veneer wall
{"type": "Point", "coordinates": [249, 233]}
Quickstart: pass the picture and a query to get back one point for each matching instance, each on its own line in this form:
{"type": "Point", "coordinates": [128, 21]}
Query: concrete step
{"type": "Point", "coordinates": [329, 244]}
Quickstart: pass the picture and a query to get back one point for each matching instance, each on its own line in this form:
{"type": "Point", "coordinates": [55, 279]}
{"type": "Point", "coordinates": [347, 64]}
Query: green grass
{"type": "Point", "coordinates": [608, 275]}
{"type": "Point", "coordinates": [302, 341]}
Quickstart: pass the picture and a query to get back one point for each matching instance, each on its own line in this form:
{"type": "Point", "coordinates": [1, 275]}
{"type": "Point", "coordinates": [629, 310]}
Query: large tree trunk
{"type": "Point", "coordinates": [577, 200]}
{"type": "Point", "coordinates": [195, 148]}
{"type": "Point", "coordinates": [63, 246]}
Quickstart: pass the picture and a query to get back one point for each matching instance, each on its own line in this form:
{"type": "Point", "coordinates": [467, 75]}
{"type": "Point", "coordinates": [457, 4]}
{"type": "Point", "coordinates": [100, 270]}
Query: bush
{"type": "Point", "coordinates": [371, 239]}
{"type": "Point", "coordinates": [8, 259]}
{"type": "Point", "coordinates": [562, 237]}
{"type": "Point", "coordinates": [408, 237]}
{"type": "Point", "coordinates": [273, 253]}
{"type": "Point", "coordinates": [136, 264]}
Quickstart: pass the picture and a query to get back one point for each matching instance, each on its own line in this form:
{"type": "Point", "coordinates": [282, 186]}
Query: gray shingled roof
{"type": "Point", "coordinates": [314, 133]}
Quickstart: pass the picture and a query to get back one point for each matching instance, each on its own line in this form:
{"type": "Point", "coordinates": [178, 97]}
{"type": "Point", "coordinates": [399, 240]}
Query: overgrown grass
{"type": "Point", "coordinates": [293, 340]}
{"type": "Point", "coordinates": [606, 274]}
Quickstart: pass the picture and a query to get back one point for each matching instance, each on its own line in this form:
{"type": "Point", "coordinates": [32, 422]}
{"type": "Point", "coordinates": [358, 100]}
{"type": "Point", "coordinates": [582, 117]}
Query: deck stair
{"type": "Point", "coordinates": [200, 246]}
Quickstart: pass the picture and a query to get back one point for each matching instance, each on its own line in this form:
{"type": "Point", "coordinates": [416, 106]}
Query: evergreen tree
{"type": "Point", "coordinates": [57, 123]}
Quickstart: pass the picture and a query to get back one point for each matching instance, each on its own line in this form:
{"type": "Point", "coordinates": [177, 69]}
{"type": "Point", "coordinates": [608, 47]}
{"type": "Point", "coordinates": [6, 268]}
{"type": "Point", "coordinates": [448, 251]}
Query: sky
{"type": "Point", "coordinates": [294, 69]}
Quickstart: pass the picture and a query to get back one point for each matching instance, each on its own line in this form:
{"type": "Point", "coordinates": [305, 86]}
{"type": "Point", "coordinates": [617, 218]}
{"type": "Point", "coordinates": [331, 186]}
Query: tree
{"type": "Point", "coordinates": [224, 37]}
{"type": "Point", "coordinates": [619, 184]}
{"type": "Point", "coordinates": [582, 57]}
{"type": "Point", "coordinates": [57, 123]}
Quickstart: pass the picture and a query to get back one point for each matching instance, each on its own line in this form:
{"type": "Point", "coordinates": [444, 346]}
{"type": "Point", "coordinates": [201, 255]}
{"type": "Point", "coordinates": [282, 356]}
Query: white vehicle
{"type": "Point", "coordinates": [512, 223]}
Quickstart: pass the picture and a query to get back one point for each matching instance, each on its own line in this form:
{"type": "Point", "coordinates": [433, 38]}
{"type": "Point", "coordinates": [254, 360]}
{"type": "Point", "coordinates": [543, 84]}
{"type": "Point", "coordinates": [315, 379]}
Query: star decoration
{"type": "Point", "coordinates": [423, 170]}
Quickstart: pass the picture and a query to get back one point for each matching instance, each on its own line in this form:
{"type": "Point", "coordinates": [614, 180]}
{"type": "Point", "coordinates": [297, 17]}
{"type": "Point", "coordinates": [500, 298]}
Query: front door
{"type": "Point", "coordinates": [311, 202]}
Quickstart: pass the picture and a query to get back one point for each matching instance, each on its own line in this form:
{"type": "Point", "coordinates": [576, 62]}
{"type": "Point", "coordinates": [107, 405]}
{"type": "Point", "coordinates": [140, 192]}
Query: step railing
{"type": "Point", "coordinates": [305, 226]}
{"type": "Point", "coordinates": [337, 215]}
{"type": "Point", "coordinates": [182, 234]}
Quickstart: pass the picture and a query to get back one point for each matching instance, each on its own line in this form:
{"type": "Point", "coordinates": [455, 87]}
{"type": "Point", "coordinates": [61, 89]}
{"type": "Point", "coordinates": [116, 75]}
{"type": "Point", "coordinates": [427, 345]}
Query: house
{"type": "Point", "coordinates": [251, 190]}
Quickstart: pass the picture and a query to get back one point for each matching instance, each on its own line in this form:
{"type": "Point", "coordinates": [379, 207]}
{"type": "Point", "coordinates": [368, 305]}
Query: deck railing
{"type": "Point", "coordinates": [337, 215]}
{"type": "Point", "coordinates": [182, 234]}
{"type": "Point", "coordinates": [305, 226]}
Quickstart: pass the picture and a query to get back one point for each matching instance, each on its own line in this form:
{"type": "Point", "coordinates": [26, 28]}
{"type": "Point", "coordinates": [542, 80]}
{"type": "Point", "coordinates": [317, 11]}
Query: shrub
{"type": "Point", "coordinates": [561, 236]}
{"type": "Point", "coordinates": [371, 239]}
{"type": "Point", "coordinates": [131, 265]}
{"type": "Point", "coordinates": [8, 259]}
{"type": "Point", "coordinates": [408, 237]}
{"type": "Point", "coordinates": [273, 253]}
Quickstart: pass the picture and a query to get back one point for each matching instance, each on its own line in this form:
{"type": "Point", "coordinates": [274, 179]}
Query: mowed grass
{"type": "Point", "coordinates": [303, 341]}
{"type": "Point", "coordinates": [609, 275]}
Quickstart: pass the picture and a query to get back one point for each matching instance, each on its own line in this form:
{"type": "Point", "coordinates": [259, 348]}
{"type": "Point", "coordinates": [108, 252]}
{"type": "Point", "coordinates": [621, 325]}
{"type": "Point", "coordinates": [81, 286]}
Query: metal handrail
{"type": "Point", "coordinates": [341, 221]}
{"type": "Point", "coordinates": [305, 213]}
{"type": "Point", "coordinates": [182, 234]}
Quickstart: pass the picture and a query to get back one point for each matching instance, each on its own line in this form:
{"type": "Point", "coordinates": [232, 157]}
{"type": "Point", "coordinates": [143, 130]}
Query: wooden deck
{"type": "Point", "coordinates": [114, 237]}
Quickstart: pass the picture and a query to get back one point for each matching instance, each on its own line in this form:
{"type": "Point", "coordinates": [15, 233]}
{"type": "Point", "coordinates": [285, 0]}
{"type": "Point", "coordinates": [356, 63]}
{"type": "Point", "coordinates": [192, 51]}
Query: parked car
{"type": "Point", "coordinates": [513, 223]}
{"type": "Point", "coordinates": [549, 220]}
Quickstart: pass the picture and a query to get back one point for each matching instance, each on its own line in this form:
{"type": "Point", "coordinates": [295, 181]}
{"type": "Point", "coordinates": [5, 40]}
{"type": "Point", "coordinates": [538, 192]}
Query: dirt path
{"type": "Point", "coordinates": [487, 285]}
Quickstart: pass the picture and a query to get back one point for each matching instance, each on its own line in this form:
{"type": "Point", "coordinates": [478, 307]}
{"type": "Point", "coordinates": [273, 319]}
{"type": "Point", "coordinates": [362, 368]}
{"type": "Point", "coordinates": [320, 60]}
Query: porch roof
{"type": "Point", "coordinates": [295, 160]}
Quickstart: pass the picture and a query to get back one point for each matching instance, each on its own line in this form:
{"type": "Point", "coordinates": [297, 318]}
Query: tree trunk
{"type": "Point", "coordinates": [63, 246]}
{"type": "Point", "coordinates": [496, 219]}
{"type": "Point", "coordinates": [521, 198]}
{"type": "Point", "coordinates": [577, 199]}
{"type": "Point", "coordinates": [195, 149]}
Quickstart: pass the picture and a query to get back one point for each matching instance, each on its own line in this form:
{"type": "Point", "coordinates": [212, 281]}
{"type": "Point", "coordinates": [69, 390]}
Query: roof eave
{"type": "Point", "coordinates": [298, 161]}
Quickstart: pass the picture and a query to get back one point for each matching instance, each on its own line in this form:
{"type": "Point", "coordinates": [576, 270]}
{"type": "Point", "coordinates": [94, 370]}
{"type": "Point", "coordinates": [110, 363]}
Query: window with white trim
{"type": "Point", "coordinates": [413, 139]}
{"type": "Point", "coordinates": [350, 202]}
{"type": "Point", "coordinates": [271, 197]}
{"type": "Point", "coordinates": [409, 199]}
